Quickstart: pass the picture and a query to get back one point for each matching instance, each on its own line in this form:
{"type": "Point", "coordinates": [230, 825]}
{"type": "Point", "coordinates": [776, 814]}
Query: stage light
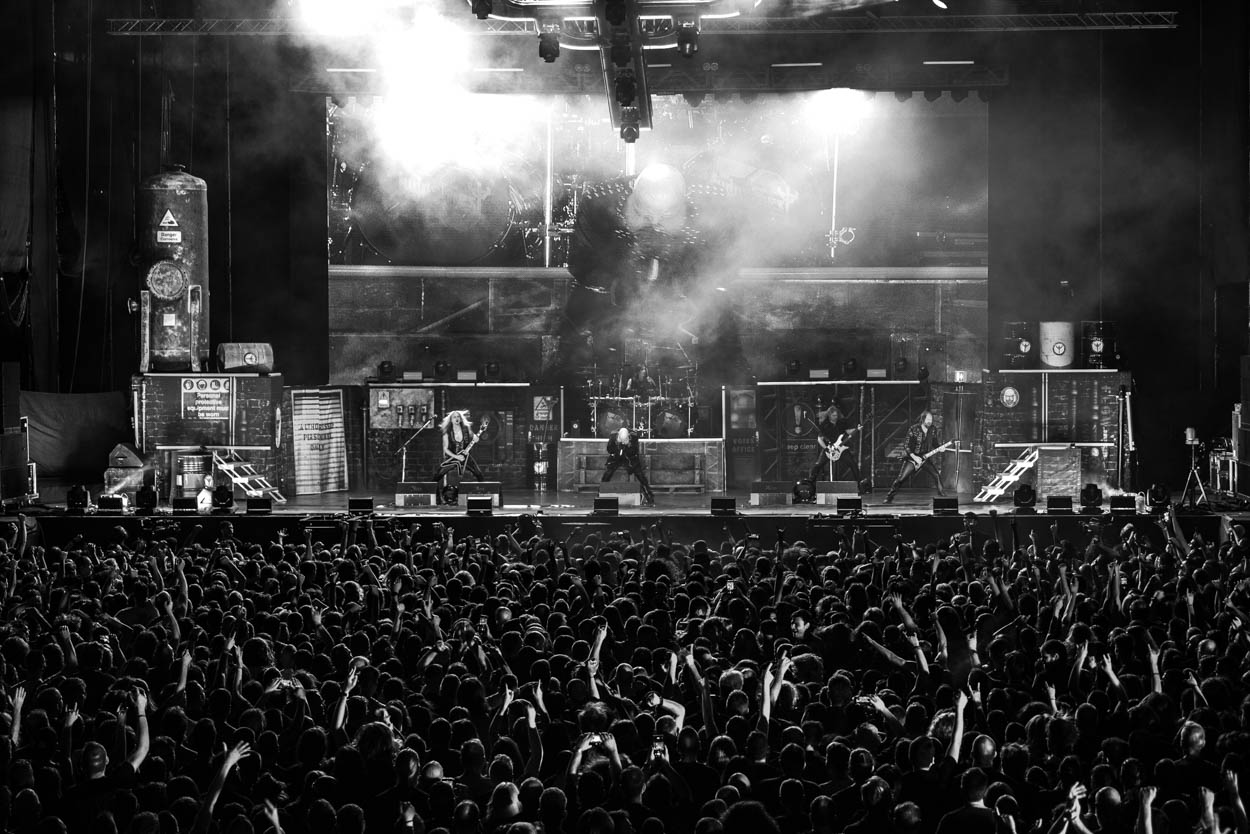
{"type": "Point", "coordinates": [922, 374]}
{"type": "Point", "coordinates": [360, 505]}
{"type": "Point", "coordinates": [223, 498]}
{"type": "Point", "coordinates": [902, 95]}
{"type": "Point", "coordinates": [959, 95]}
{"type": "Point", "coordinates": [804, 492]}
{"type": "Point", "coordinates": [1091, 498]}
{"type": "Point", "coordinates": [687, 40]}
{"type": "Point", "coordinates": [932, 95]}
{"type": "Point", "coordinates": [1024, 499]}
{"type": "Point", "coordinates": [630, 124]}
{"type": "Point", "coordinates": [614, 12]}
{"type": "Point", "coordinates": [793, 368]}
{"type": "Point", "coordinates": [945, 505]}
{"type": "Point", "coordinates": [621, 53]}
{"type": "Point", "coordinates": [482, 8]}
{"type": "Point", "coordinates": [478, 505]}
{"type": "Point", "coordinates": [1159, 497]}
{"type": "Point", "coordinates": [724, 506]}
{"type": "Point", "coordinates": [549, 46]}
{"type": "Point", "coordinates": [693, 99]}
{"type": "Point", "coordinates": [146, 500]}
{"type": "Point", "coordinates": [610, 505]}
{"type": "Point", "coordinates": [442, 371]}
{"type": "Point", "coordinates": [492, 372]}
{"type": "Point", "coordinates": [626, 89]}
{"type": "Point", "coordinates": [77, 499]}
{"type": "Point", "coordinates": [849, 368]}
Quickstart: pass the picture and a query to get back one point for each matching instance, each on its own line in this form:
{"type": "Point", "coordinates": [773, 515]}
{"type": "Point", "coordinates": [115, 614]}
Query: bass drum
{"type": "Point", "coordinates": [448, 217]}
{"type": "Point", "coordinates": [669, 423]}
{"type": "Point", "coordinates": [611, 415]}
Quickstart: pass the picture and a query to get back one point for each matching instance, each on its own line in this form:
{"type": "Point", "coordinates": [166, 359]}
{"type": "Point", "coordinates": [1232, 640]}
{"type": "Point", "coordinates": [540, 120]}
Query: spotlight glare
{"type": "Point", "coordinates": [940, 4]}
{"type": "Point", "coordinates": [631, 121]}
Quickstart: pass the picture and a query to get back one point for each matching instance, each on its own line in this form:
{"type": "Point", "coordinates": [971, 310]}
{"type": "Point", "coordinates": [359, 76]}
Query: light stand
{"type": "Point", "coordinates": [1193, 483]}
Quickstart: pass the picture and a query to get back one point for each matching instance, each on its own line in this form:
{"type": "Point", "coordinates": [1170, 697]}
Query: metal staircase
{"type": "Point", "coordinates": [242, 474]}
{"type": "Point", "coordinates": [1006, 479]}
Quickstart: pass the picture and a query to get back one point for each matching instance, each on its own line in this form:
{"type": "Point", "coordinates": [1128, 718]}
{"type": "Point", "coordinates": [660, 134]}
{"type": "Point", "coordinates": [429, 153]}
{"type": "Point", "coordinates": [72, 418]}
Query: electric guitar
{"type": "Point", "coordinates": [835, 449]}
{"type": "Point", "coordinates": [461, 458]}
{"type": "Point", "coordinates": [931, 453]}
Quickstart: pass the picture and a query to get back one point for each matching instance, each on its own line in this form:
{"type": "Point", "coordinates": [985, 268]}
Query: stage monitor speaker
{"type": "Point", "coordinates": [360, 505]}
{"type": "Point", "coordinates": [1059, 504]}
{"type": "Point", "coordinates": [607, 506]}
{"type": "Point", "coordinates": [245, 357]}
{"type": "Point", "coordinates": [478, 504]}
{"type": "Point", "coordinates": [259, 506]}
{"type": "Point", "coordinates": [850, 505]}
{"type": "Point", "coordinates": [111, 504]}
{"type": "Point", "coordinates": [945, 505]}
{"type": "Point", "coordinates": [183, 505]}
{"type": "Point", "coordinates": [724, 506]}
{"type": "Point", "coordinates": [1123, 505]}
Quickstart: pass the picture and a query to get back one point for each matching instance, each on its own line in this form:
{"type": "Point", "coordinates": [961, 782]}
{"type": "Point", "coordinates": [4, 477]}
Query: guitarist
{"type": "Point", "coordinates": [458, 440]}
{"type": "Point", "coordinates": [834, 435]}
{"type": "Point", "coordinates": [922, 438]}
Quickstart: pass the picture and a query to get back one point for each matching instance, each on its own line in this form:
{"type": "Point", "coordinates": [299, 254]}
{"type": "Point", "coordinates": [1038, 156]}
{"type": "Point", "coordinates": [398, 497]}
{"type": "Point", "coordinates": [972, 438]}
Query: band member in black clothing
{"type": "Point", "coordinates": [921, 439]}
{"type": "Point", "coordinates": [458, 440]}
{"type": "Point", "coordinates": [834, 436]}
{"type": "Point", "coordinates": [623, 451]}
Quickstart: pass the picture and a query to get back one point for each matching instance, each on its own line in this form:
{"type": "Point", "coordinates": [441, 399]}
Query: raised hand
{"type": "Point", "coordinates": [141, 702]}
{"type": "Point", "coordinates": [352, 676]}
{"type": "Point", "coordinates": [271, 813]}
{"type": "Point", "coordinates": [961, 700]}
{"type": "Point", "coordinates": [72, 716]}
{"type": "Point", "coordinates": [236, 754]}
{"type": "Point", "coordinates": [1147, 794]}
{"type": "Point", "coordinates": [19, 697]}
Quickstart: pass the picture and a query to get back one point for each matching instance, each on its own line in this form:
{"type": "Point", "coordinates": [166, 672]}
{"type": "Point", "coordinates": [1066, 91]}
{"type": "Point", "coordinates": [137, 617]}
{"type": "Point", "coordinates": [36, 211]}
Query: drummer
{"type": "Point", "coordinates": [640, 385]}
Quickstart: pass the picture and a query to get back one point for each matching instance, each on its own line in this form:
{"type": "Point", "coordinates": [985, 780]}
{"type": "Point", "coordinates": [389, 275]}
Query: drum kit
{"type": "Point", "coordinates": [654, 396]}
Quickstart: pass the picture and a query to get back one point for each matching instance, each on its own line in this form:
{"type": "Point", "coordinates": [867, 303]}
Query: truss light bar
{"type": "Point", "coordinates": [949, 63]}
{"type": "Point", "coordinates": [792, 66]}
{"type": "Point", "coordinates": [351, 69]}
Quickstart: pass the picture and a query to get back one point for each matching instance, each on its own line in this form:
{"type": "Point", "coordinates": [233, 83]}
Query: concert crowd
{"type": "Point", "coordinates": [615, 681]}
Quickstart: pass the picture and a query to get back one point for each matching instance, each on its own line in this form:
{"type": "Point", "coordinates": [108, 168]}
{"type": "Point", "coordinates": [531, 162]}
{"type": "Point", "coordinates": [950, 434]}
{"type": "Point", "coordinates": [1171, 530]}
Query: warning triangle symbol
{"type": "Point", "coordinates": [168, 219]}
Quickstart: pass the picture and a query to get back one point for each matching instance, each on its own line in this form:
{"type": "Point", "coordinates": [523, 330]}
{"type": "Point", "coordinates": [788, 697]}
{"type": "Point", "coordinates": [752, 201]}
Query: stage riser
{"type": "Point", "coordinates": [670, 465]}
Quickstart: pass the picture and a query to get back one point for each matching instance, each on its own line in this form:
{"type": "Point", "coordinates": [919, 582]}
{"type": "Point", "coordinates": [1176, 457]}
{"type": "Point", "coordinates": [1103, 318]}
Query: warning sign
{"type": "Point", "coordinates": [206, 399]}
{"type": "Point", "coordinates": [168, 219]}
{"type": "Point", "coordinates": [168, 237]}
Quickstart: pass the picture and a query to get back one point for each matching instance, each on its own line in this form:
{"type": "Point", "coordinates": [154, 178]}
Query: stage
{"type": "Point", "coordinates": [687, 517]}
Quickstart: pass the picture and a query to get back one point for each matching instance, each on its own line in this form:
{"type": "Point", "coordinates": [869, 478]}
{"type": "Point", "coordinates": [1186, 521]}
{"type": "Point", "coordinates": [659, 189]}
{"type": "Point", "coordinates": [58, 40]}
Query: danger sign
{"type": "Point", "coordinates": [168, 219]}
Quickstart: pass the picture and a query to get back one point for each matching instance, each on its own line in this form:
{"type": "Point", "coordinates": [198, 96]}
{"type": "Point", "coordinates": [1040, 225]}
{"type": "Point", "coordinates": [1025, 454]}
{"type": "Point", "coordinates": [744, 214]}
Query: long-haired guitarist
{"type": "Point", "coordinates": [922, 448]}
{"type": "Point", "coordinates": [834, 434]}
{"type": "Point", "coordinates": [458, 440]}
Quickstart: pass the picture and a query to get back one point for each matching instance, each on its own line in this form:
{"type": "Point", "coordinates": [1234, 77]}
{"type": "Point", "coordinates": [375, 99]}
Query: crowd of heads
{"type": "Point", "coordinates": [381, 675]}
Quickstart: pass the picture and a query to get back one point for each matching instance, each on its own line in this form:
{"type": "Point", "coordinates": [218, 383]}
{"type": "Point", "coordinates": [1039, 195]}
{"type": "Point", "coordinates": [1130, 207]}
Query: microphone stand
{"type": "Point", "coordinates": [403, 466]}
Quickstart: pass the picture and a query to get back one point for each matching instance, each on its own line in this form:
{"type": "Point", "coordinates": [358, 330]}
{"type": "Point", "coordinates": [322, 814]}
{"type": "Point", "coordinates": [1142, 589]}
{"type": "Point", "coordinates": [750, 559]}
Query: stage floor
{"type": "Point", "coordinates": [687, 517]}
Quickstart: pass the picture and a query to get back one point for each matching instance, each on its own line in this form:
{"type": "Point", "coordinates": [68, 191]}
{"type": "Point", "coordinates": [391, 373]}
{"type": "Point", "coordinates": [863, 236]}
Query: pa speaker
{"type": "Point", "coordinates": [946, 505]}
{"type": "Point", "coordinates": [111, 504]}
{"type": "Point", "coordinates": [259, 506]}
{"type": "Point", "coordinates": [850, 505]}
{"type": "Point", "coordinates": [183, 505]}
{"type": "Point", "coordinates": [1059, 504]}
{"type": "Point", "coordinates": [478, 504]}
{"type": "Point", "coordinates": [724, 506]}
{"type": "Point", "coordinates": [1123, 505]}
{"type": "Point", "coordinates": [607, 506]}
{"type": "Point", "coordinates": [360, 505]}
